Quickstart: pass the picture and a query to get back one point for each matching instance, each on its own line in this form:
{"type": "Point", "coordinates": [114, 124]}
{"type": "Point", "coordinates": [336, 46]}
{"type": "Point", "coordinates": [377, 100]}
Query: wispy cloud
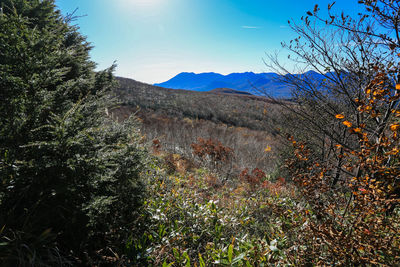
{"type": "Point", "coordinates": [283, 26]}
{"type": "Point", "coordinates": [250, 27]}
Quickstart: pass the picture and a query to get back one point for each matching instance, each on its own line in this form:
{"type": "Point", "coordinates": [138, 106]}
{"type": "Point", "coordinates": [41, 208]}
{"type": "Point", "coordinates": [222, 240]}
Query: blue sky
{"type": "Point", "coordinates": [153, 40]}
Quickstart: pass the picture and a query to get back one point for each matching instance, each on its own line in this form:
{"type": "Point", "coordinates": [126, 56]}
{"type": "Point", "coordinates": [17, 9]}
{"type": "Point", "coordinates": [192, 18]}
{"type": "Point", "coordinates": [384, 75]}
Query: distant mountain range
{"type": "Point", "coordinates": [229, 91]}
{"type": "Point", "coordinates": [250, 82]}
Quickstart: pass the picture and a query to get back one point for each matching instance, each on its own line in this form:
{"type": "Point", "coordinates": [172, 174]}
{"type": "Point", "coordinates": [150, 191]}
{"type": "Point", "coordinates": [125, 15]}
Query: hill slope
{"type": "Point", "coordinates": [234, 108]}
{"type": "Point", "coordinates": [175, 119]}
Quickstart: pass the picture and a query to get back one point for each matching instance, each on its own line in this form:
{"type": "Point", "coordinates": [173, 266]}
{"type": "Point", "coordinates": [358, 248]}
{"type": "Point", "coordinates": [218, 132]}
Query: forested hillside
{"type": "Point", "coordinates": [178, 118]}
{"type": "Point", "coordinates": [104, 171]}
{"type": "Point", "coordinates": [234, 110]}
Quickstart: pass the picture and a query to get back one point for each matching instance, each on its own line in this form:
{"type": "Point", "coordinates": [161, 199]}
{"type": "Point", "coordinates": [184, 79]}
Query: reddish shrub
{"type": "Point", "coordinates": [212, 152]}
{"type": "Point", "coordinates": [212, 148]}
{"type": "Point", "coordinates": [156, 146]}
{"type": "Point", "coordinates": [254, 178]}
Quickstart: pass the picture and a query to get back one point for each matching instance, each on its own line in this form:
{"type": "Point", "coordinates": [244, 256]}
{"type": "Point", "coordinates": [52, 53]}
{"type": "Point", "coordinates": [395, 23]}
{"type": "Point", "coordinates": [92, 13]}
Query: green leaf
{"type": "Point", "coordinates": [201, 261]}
{"type": "Point", "coordinates": [165, 264]}
{"type": "Point", "coordinates": [238, 258]}
{"type": "Point", "coordinates": [230, 253]}
{"type": "Point", "coordinates": [176, 254]}
{"type": "Point", "coordinates": [187, 259]}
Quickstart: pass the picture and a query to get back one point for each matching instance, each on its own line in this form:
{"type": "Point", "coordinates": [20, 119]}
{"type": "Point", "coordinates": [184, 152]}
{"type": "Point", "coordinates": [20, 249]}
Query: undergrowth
{"type": "Point", "coordinates": [195, 219]}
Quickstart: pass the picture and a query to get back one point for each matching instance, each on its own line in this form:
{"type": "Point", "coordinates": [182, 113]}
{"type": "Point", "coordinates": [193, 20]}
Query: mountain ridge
{"type": "Point", "coordinates": [267, 83]}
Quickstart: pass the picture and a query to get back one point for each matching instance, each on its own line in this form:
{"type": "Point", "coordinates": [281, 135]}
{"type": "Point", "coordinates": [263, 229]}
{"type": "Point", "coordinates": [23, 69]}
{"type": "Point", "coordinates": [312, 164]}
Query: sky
{"type": "Point", "coordinates": [153, 40]}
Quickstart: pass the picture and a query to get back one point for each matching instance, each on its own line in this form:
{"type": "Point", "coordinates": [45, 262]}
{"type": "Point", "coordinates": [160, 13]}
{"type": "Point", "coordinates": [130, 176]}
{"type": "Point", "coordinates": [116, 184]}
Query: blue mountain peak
{"type": "Point", "coordinates": [269, 83]}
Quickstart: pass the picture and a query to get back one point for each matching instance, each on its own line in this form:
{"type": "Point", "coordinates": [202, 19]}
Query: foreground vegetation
{"type": "Point", "coordinates": [81, 185]}
{"type": "Point", "coordinates": [197, 220]}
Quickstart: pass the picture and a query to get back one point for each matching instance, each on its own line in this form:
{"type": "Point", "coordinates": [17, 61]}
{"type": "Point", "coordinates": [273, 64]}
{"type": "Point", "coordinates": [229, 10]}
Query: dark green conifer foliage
{"type": "Point", "coordinates": [70, 175]}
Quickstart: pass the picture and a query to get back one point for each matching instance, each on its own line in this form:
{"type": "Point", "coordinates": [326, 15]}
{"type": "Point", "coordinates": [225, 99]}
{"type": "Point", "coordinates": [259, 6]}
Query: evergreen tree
{"type": "Point", "coordinates": [70, 175]}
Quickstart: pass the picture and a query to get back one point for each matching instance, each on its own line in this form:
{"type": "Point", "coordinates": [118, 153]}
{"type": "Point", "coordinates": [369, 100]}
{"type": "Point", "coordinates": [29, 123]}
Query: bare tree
{"type": "Point", "coordinates": [338, 57]}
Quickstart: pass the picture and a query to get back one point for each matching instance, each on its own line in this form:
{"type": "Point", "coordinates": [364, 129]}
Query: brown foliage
{"type": "Point", "coordinates": [176, 163]}
{"type": "Point", "coordinates": [253, 178]}
{"type": "Point", "coordinates": [346, 154]}
{"type": "Point", "coordinates": [356, 223]}
{"type": "Point", "coordinates": [213, 149]}
{"type": "Point", "coordinates": [214, 155]}
{"type": "Point", "coordinates": [253, 149]}
{"type": "Point", "coordinates": [156, 145]}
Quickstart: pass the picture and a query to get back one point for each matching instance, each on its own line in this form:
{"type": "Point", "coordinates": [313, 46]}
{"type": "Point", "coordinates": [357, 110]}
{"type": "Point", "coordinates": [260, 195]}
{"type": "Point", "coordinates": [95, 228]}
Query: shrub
{"type": "Point", "coordinates": [214, 155]}
{"type": "Point", "coordinates": [254, 179]}
{"type": "Point", "coordinates": [358, 222]}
